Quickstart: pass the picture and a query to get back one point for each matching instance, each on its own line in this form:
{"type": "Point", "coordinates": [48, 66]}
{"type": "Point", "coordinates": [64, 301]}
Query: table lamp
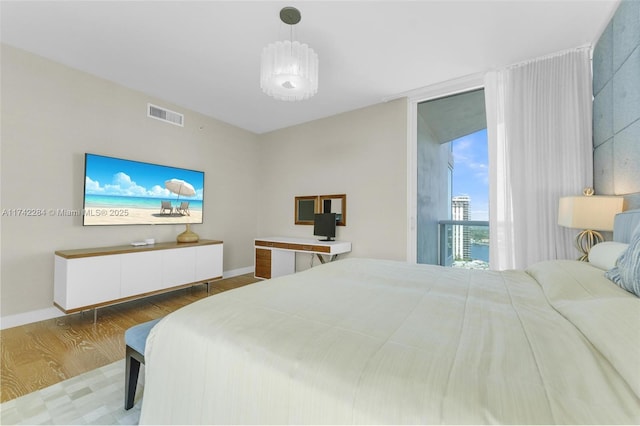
{"type": "Point", "coordinates": [591, 213]}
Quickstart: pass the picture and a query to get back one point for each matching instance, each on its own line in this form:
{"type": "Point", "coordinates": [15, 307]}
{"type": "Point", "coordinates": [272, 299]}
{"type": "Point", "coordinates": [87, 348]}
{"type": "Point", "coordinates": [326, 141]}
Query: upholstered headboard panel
{"type": "Point", "coordinates": [624, 224]}
{"type": "Point", "coordinates": [616, 106]}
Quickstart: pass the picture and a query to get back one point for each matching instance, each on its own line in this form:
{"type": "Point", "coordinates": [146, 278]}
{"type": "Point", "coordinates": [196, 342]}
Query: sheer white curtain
{"type": "Point", "coordinates": [539, 117]}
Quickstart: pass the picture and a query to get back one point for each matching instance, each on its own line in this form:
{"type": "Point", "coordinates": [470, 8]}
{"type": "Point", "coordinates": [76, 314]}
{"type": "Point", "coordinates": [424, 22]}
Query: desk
{"type": "Point", "coordinates": [276, 256]}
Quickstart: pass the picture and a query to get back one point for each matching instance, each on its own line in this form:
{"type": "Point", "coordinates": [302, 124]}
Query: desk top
{"type": "Point", "coordinates": [305, 244]}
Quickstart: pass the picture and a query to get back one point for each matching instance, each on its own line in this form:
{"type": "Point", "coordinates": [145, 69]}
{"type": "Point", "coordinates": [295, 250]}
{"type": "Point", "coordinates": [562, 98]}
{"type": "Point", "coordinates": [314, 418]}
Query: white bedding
{"type": "Point", "coordinates": [369, 341]}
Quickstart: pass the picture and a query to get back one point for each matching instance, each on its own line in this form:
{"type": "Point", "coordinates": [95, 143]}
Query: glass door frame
{"type": "Point", "coordinates": [447, 88]}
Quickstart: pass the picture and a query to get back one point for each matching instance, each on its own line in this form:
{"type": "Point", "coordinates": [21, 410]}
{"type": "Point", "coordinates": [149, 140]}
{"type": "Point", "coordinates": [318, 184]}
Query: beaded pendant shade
{"type": "Point", "coordinates": [289, 69]}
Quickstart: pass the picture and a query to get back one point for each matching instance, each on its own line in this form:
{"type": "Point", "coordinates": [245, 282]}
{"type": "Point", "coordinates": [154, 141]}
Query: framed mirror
{"type": "Point", "coordinates": [305, 209]}
{"type": "Point", "coordinates": [337, 204]}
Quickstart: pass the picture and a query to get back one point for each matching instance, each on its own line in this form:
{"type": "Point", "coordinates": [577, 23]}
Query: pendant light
{"type": "Point", "coordinates": [289, 69]}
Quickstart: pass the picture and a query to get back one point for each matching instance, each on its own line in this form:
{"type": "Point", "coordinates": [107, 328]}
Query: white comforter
{"type": "Point", "coordinates": [368, 341]}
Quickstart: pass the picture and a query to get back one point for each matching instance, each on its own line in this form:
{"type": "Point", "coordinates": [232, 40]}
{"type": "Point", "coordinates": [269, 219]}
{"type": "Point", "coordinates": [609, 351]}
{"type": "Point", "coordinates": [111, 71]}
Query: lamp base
{"type": "Point", "coordinates": [188, 236]}
{"type": "Point", "coordinates": [585, 240]}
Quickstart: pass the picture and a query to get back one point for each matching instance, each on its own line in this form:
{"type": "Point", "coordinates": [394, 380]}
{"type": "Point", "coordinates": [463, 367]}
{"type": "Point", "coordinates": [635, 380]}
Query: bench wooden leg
{"type": "Point", "coordinates": [135, 339]}
{"type": "Point", "coordinates": [131, 376]}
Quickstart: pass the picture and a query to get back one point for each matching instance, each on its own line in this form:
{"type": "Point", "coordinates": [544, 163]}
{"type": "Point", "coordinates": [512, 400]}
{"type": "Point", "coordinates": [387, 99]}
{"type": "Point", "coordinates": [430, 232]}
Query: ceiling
{"type": "Point", "coordinates": [455, 116]}
{"type": "Point", "coordinates": [205, 55]}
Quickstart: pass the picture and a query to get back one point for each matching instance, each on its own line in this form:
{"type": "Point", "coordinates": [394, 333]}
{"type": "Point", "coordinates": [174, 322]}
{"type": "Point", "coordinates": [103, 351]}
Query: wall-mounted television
{"type": "Point", "coordinates": [126, 192]}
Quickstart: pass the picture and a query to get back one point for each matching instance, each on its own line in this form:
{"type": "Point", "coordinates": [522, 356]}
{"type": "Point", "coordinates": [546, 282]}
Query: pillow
{"type": "Point", "coordinates": [604, 255]}
{"type": "Point", "coordinates": [626, 273]}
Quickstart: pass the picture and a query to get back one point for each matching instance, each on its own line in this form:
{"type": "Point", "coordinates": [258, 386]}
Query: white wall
{"type": "Point", "coordinates": [360, 153]}
{"type": "Point", "coordinates": [51, 116]}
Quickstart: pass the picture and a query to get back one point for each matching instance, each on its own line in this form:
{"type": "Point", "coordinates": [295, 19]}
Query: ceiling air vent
{"type": "Point", "coordinates": [164, 114]}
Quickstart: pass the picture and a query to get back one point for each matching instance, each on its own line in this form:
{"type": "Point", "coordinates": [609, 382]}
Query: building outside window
{"type": "Point", "coordinates": [460, 211]}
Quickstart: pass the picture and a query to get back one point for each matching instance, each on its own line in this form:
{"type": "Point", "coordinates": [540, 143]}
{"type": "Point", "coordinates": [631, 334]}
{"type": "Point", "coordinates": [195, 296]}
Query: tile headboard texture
{"type": "Point", "coordinates": [616, 106]}
{"type": "Point", "coordinates": [624, 225]}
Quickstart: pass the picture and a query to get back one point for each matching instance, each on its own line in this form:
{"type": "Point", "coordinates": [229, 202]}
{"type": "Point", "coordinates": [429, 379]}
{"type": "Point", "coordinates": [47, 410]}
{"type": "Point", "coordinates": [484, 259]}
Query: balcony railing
{"type": "Point", "coordinates": [464, 243]}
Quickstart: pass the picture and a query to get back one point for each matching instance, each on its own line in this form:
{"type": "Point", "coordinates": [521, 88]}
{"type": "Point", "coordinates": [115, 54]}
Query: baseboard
{"type": "Point", "coordinates": [236, 272]}
{"type": "Point", "coordinates": [28, 317]}
{"type": "Point", "coordinates": [24, 318]}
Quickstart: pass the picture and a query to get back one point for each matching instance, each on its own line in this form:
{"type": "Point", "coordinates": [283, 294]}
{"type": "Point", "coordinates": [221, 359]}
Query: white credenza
{"type": "Point", "coordinates": [90, 278]}
{"type": "Point", "coordinates": [276, 256]}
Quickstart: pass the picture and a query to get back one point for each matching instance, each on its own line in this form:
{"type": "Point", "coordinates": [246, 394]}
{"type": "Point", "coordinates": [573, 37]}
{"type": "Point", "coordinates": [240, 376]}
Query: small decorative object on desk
{"type": "Point", "coordinates": [588, 191]}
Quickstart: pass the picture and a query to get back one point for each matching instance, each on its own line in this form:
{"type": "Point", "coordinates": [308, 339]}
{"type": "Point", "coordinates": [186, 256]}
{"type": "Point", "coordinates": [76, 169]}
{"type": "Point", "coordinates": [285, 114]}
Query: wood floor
{"type": "Point", "coordinates": [38, 355]}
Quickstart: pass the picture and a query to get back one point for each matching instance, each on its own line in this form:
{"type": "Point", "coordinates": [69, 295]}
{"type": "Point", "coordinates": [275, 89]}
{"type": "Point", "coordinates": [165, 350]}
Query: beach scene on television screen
{"type": "Point", "coordinates": [124, 192]}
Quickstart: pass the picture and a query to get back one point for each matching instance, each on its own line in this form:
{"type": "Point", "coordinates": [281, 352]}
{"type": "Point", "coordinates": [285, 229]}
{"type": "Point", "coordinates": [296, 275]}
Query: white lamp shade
{"type": "Point", "coordinates": [594, 212]}
{"type": "Point", "coordinates": [289, 71]}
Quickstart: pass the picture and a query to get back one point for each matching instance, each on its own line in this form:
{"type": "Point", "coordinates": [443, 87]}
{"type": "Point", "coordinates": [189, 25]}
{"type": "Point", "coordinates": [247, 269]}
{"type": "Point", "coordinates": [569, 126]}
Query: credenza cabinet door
{"type": "Point", "coordinates": [141, 273]}
{"type": "Point", "coordinates": [178, 266]}
{"type": "Point", "coordinates": [208, 262]}
{"type": "Point", "coordinates": [92, 280]}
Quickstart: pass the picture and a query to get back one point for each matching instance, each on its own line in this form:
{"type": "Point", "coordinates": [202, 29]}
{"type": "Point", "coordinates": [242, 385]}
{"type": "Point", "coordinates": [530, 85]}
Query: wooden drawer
{"type": "Point", "coordinates": [263, 254]}
{"type": "Point", "coordinates": [294, 246]}
{"type": "Point", "coordinates": [263, 263]}
{"type": "Point", "coordinates": [272, 244]}
{"type": "Point", "coordinates": [309, 247]}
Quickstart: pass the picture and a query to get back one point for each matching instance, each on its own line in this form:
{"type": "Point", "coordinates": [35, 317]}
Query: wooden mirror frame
{"type": "Point", "coordinates": [342, 221]}
{"type": "Point", "coordinates": [303, 200]}
{"type": "Point", "coordinates": [318, 207]}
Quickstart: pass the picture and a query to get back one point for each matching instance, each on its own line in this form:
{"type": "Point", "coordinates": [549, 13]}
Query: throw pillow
{"type": "Point", "coordinates": [605, 255]}
{"type": "Point", "coordinates": [626, 273]}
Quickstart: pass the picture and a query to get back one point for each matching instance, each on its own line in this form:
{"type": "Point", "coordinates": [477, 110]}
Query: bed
{"type": "Point", "coordinates": [385, 342]}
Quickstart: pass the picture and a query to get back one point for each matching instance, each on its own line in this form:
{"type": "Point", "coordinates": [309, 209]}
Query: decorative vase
{"type": "Point", "coordinates": [188, 236]}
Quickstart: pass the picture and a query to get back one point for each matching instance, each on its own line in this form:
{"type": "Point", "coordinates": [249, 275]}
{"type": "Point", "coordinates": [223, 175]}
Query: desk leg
{"type": "Point", "coordinates": [331, 257]}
